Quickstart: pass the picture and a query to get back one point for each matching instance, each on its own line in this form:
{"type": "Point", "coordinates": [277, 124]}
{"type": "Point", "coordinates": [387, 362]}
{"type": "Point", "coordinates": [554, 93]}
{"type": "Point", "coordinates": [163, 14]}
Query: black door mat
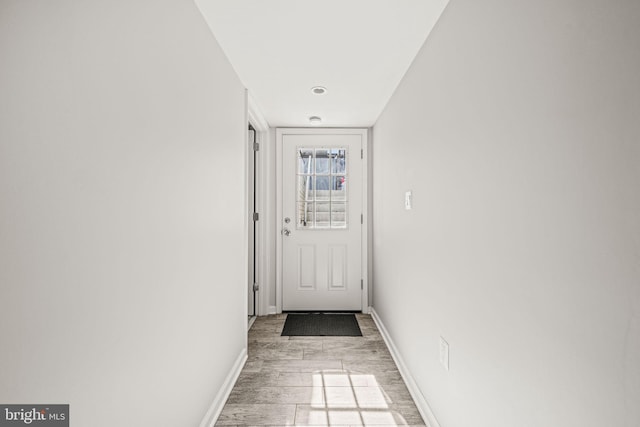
{"type": "Point", "coordinates": [321, 325]}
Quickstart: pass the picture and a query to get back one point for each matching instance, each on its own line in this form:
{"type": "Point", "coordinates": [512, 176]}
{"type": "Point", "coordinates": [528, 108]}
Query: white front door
{"type": "Point", "coordinates": [322, 193]}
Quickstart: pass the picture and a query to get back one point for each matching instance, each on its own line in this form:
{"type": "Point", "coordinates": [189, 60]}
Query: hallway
{"type": "Point", "coordinates": [318, 380]}
{"type": "Point", "coordinates": [502, 213]}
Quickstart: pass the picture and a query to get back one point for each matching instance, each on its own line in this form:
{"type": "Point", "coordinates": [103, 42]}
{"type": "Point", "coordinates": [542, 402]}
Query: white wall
{"type": "Point", "coordinates": [517, 130]}
{"type": "Point", "coordinates": [122, 226]}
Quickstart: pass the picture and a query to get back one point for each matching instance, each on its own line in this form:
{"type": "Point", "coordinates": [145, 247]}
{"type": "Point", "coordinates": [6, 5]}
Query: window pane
{"type": "Point", "coordinates": [305, 189]}
{"type": "Point", "coordinates": [322, 187]}
{"type": "Point", "coordinates": [305, 215]}
{"type": "Point", "coordinates": [322, 215]}
{"type": "Point", "coordinates": [305, 160]}
{"type": "Point", "coordinates": [338, 189]}
{"type": "Point", "coordinates": [338, 161]}
{"type": "Point", "coordinates": [338, 215]}
{"type": "Point", "coordinates": [339, 183]}
{"type": "Point", "coordinates": [322, 161]}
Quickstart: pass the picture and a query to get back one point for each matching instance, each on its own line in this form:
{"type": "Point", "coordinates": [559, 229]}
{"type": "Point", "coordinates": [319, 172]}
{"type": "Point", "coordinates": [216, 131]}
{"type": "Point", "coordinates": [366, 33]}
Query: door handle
{"type": "Point", "coordinates": [286, 231]}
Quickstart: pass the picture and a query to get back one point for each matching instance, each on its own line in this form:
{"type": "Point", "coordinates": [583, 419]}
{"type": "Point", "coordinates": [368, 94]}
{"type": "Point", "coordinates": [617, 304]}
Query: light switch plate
{"type": "Point", "coordinates": [408, 202]}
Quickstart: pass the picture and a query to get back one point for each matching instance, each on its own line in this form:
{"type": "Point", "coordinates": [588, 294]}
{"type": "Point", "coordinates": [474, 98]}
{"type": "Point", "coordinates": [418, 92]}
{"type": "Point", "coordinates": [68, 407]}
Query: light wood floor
{"type": "Point", "coordinates": [336, 381]}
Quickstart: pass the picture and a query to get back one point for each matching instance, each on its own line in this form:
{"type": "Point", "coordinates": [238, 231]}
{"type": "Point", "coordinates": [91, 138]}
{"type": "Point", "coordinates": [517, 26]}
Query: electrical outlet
{"type": "Point", "coordinates": [444, 354]}
{"type": "Point", "coordinates": [407, 200]}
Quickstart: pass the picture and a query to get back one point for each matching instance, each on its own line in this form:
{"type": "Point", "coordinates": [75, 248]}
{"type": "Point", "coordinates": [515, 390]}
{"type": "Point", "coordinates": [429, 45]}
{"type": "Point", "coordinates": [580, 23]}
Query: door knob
{"type": "Point", "coordinates": [286, 231]}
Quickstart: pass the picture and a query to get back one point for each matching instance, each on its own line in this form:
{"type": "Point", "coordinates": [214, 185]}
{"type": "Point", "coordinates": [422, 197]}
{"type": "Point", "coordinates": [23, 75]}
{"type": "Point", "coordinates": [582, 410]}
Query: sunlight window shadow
{"type": "Point", "coordinates": [346, 398]}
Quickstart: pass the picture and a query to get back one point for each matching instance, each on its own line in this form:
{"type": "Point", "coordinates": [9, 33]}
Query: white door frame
{"type": "Point", "coordinates": [263, 260]}
{"type": "Point", "coordinates": [280, 132]}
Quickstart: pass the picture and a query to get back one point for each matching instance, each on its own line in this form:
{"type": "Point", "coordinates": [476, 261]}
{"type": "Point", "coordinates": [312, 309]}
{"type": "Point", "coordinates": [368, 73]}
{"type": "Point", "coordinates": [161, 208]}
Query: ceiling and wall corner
{"type": "Point", "coordinates": [358, 49]}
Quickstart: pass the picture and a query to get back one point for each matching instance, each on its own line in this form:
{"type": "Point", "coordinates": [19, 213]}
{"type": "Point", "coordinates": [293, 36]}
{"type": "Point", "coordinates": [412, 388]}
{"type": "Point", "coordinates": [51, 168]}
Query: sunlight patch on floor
{"type": "Point", "coordinates": [345, 398]}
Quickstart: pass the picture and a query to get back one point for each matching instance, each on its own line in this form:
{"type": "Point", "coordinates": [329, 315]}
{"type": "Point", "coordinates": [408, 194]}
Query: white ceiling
{"type": "Point", "coordinates": [358, 49]}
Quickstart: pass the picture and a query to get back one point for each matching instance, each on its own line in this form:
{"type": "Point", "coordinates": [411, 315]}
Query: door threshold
{"type": "Point", "coordinates": [322, 311]}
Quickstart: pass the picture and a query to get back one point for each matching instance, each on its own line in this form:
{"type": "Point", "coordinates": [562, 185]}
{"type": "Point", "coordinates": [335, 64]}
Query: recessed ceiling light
{"type": "Point", "coordinates": [315, 120]}
{"type": "Point", "coordinates": [318, 90]}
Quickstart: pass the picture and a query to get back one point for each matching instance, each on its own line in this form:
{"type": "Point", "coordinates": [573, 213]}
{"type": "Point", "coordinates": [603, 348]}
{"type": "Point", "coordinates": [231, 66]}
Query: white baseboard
{"type": "Point", "coordinates": [215, 409]}
{"type": "Point", "coordinates": [272, 309]}
{"type": "Point", "coordinates": [416, 394]}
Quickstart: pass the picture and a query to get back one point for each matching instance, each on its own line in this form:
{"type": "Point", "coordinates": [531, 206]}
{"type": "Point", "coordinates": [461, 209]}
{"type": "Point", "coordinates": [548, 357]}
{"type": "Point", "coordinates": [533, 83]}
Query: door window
{"type": "Point", "coordinates": [321, 199]}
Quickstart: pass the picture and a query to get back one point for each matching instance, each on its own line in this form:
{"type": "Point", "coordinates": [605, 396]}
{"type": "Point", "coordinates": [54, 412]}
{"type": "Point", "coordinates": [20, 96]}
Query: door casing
{"type": "Point", "coordinates": [264, 169]}
{"type": "Point", "coordinates": [280, 132]}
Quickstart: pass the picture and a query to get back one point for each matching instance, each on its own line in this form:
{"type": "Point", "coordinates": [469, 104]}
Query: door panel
{"type": "Point", "coordinates": [306, 267]}
{"type": "Point", "coordinates": [322, 231]}
{"type": "Point", "coordinates": [337, 267]}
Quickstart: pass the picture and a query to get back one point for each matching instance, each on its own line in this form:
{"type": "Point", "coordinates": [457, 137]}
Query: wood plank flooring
{"type": "Point", "coordinates": [318, 381]}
